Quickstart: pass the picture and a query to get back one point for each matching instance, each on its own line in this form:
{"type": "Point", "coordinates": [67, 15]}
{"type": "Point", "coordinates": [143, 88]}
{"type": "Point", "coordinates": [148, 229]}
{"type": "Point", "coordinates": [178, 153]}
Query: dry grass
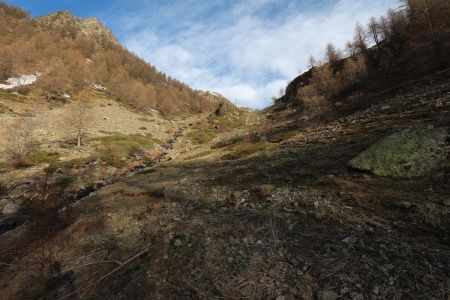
{"type": "Point", "coordinates": [42, 156]}
{"type": "Point", "coordinates": [20, 142]}
{"type": "Point", "coordinates": [244, 150]}
{"type": "Point", "coordinates": [202, 136]}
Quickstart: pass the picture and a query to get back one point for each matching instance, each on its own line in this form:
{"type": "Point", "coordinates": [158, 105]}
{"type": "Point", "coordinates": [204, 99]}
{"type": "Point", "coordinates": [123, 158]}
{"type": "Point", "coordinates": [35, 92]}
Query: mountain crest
{"type": "Point", "coordinates": [90, 28]}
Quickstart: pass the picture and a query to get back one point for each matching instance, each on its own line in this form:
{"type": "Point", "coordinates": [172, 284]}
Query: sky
{"type": "Point", "coordinates": [246, 50]}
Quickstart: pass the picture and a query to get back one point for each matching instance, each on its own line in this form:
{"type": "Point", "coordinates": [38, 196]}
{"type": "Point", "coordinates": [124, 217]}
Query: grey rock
{"type": "Point", "coordinates": [327, 295]}
{"type": "Point", "coordinates": [350, 240]}
{"type": "Point", "coordinates": [111, 171]}
{"type": "Point", "coordinates": [405, 154]}
{"type": "Point", "coordinates": [10, 208]}
{"type": "Point", "coordinates": [405, 204]}
{"type": "Point", "coordinates": [178, 243]}
{"type": "Point", "coordinates": [376, 290]}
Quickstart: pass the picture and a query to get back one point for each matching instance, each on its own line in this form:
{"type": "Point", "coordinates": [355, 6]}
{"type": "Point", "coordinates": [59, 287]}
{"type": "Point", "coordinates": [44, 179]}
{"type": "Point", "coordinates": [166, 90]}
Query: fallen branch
{"type": "Point", "coordinates": [138, 255]}
{"type": "Point", "coordinates": [93, 263]}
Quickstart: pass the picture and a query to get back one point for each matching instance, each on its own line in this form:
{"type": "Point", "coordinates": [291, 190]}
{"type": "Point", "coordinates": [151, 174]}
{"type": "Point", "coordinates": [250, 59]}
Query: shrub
{"type": "Point", "coordinates": [3, 189]}
{"type": "Point", "coordinates": [201, 136]}
{"type": "Point", "coordinates": [21, 162]}
{"type": "Point", "coordinates": [20, 143]}
{"type": "Point", "coordinates": [40, 157]}
{"type": "Point", "coordinates": [111, 155]}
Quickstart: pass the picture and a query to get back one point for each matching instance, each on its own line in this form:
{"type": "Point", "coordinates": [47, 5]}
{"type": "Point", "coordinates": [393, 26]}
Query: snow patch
{"type": "Point", "coordinates": [14, 82]}
{"type": "Point", "coordinates": [99, 87]}
{"type": "Point", "coordinates": [216, 94]}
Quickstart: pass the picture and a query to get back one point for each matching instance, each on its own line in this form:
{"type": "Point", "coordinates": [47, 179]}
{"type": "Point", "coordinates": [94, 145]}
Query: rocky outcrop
{"type": "Point", "coordinates": [405, 154]}
{"type": "Point", "coordinates": [212, 96]}
{"type": "Point", "coordinates": [90, 28]}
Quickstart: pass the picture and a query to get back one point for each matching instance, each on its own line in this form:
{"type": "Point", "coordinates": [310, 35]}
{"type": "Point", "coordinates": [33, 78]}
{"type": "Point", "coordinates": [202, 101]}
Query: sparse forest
{"type": "Point", "coordinates": [407, 43]}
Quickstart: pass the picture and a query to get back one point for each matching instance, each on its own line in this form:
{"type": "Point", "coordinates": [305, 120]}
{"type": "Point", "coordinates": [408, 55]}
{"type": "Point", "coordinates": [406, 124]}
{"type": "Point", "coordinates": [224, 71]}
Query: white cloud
{"type": "Point", "coordinates": [246, 55]}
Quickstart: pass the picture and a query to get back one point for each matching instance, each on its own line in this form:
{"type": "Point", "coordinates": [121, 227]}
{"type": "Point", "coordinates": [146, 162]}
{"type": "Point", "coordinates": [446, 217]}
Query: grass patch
{"type": "Point", "coordinates": [73, 163]}
{"type": "Point", "coordinates": [126, 145]}
{"type": "Point", "coordinates": [10, 96]}
{"type": "Point", "coordinates": [115, 149]}
{"type": "Point", "coordinates": [42, 156]}
{"type": "Point", "coordinates": [147, 170]}
{"type": "Point", "coordinates": [198, 155]}
{"type": "Point", "coordinates": [241, 151]}
{"type": "Point", "coordinates": [255, 139]}
{"type": "Point", "coordinates": [224, 143]}
{"type": "Point", "coordinates": [202, 136]}
{"type": "Point", "coordinates": [279, 137]}
{"type": "Point", "coordinates": [3, 108]}
{"type": "Point", "coordinates": [143, 119]}
{"type": "Point", "coordinates": [230, 121]}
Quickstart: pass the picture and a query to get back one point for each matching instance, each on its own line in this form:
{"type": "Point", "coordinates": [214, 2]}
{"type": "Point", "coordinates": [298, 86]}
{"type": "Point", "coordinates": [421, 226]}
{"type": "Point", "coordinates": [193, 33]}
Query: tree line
{"type": "Point", "coordinates": [409, 41]}
{"type": "Point", "coordinates": [69, 62]}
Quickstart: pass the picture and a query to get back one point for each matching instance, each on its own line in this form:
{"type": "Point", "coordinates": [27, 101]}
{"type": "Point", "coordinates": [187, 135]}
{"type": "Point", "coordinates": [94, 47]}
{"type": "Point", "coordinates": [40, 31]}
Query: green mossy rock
{"type": "Point", "coordinates": [405, 154]}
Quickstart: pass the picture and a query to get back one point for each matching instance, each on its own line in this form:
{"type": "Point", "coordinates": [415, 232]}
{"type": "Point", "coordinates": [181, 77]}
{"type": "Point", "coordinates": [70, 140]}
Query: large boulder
{"type": "Point", "coordinates": [405, 154]}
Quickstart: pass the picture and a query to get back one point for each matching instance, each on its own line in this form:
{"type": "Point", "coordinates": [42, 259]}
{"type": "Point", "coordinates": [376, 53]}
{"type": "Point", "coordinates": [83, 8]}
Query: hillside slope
{"type": "Point", "coordinates": [69, 53]}
{"type": "Point", "coordinates": [261, 211]}
{"type": "Point", "coordinates": [291, 202]}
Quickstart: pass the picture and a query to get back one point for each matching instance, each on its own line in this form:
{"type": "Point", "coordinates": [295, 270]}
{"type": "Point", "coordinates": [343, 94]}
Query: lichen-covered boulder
{"type": "Point", "coordinates": [405, 154]}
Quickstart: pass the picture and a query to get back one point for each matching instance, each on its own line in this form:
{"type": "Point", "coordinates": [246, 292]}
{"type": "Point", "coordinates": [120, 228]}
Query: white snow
{"type": "Point", "coordinates": [14, 82]}
{"type": "Point", "coordinates": [216, 94]}
{"type": "Point", "coordinates": [99, 87]}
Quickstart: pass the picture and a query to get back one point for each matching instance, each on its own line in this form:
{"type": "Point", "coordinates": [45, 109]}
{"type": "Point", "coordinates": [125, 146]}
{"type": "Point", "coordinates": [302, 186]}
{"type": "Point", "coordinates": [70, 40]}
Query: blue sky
{"type": "Point", "coordinates": [247, 50]}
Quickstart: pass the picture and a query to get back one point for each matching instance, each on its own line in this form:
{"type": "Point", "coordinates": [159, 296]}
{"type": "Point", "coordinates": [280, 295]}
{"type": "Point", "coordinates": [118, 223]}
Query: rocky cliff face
{"type": "Point", "coordinates": [90, 28]}
{"type": "Point", "coordinates": [213, 96]}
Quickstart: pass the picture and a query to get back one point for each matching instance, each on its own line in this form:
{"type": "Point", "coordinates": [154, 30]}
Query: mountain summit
{"type": "Point", "coordinates": [90, 28]}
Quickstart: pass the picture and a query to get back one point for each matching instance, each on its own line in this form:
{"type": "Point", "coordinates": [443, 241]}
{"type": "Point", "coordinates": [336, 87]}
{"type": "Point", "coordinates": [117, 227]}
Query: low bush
{"type": "Point", "coordinates": [3, 188]}
{"type": "Point", "coordinates": [3, 108]}
{"type": "Point", "coordinates": [201, 136]}
{"type": "Point", "coordinates": [111, 155]}
{"type": "Point", "coordinates": [41, 156]}
{"type": "Point", "coordinates": [21, 162]}
{"type": "Point", "coordinates": [126, 145]}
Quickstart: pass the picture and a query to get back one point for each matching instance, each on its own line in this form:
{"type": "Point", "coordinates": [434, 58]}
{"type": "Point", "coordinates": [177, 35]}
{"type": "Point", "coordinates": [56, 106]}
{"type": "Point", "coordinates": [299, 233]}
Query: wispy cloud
{"type": "Point", "coordinates": [246, 50]}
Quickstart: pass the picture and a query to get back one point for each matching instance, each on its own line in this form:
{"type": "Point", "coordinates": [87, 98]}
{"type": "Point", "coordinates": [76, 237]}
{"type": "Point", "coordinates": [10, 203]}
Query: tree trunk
{"type": "Point", "coordinates": [79, 139]}
{"type": "Point", "coordinates": [434, 35]}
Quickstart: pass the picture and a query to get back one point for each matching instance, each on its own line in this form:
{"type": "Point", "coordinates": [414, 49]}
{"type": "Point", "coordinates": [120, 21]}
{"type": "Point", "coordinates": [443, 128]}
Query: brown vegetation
{"type": "Point", "coordinates": [406, 43]}
{"type": "Point", "coordinates": [3, 188]}
{"type": "Point", "coordinates": [20, 142]}
{"type": "Point", "coordinates": [69, 61]}
{"type": "Point", "coordinates": [80, 118]}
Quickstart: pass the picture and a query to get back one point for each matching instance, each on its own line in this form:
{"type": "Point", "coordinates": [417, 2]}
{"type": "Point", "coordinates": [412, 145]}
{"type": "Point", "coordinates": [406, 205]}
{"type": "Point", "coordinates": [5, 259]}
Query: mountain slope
{"type": "Point", "coordinates": [71, 53]}
{"type": "Point", "coordinates": [264, 210]}
{"type": "Point", "coordinates": [349, 201]}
